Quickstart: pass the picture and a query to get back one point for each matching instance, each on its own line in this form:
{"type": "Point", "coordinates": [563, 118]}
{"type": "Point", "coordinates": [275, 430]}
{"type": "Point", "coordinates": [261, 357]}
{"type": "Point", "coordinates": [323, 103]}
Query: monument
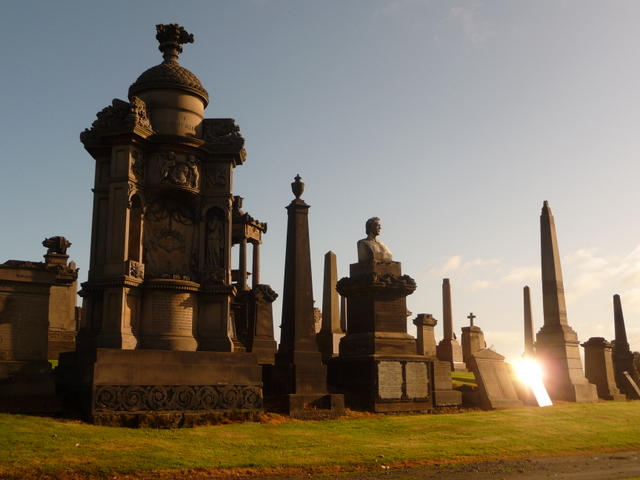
{"type": "Point", "coordinates": [33, 297]}
{"type": "Point", "coordinates": [529, 342]}
{"type": "Point", "coordinates": [472, 339]}
{"type": "Point", "coordinates": [298, 380]}
{"type": "Point", "coordinates": [598, 368]}
{"type": "Point", "coordinates": [495, 387]}
{"type": "Point", "coordinates": [331, 332]}
{"type": "Point", "coordinates": [622, 355]}
{"type": "Point", "coordinates": [157, 331]}
{"type": "Point", "coordinates": [557, 346]}
{"type": "Point", "coordinates": [449, 350]}
{"type": "Point", "coordinates": [378, 368]}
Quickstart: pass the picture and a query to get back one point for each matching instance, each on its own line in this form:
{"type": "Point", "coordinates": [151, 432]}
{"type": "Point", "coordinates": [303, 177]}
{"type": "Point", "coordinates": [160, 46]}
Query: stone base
{"type": "Point", "coordinates": [60, 342]}
{"type": "Point", "coordinates": [449, 350]}
{"type": "Point", "coordinates": [383, 384]}
{"type": "Point", "coordinates": [28, 387]}
{"type": "Point", "coordinates": [447, 398]}
{"type": "Point", "coordinates": [312, 406]}
{"type": "Point", "coordinates": [170, 420]}
{"type": "Point", "coordinates": [265, 349]}
{"type": "Point", "coordinates": [379, 343]}
{"type": "Point", "coordinates": [443, 393]}
{"type": "Point", "coordinates": [124, 382]}
{"type": "Point", "coordinates": [581, 392]}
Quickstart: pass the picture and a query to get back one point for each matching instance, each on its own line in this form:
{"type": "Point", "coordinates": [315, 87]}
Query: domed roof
{"type": "Point", "coordinates": [169, 74]}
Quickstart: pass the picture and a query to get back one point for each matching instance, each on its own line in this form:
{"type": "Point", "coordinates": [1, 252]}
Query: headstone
{"type": "Point", "coordinates": [495, 386]}
{"type": "Point", "coordinates": [622, 355]}
{"type": "Point", "coordinates": [378, 368]}
{"type": "Point", "coordinates": [449, 350]}
{"type": "Point", "coordinates": [298, 380]}
{"type": "Point", "coordinates": [557, 346]}
{"type": "Point", "coordinates": [472, 339]}
{"type": "Point", "coordinates": [426, 340]}
{"type": "Point", "coordinates": [160, 296]}
{"type": "Point", "coordinates": [598, 368]}
{"type": "Point", "coordinates": [330, 334]}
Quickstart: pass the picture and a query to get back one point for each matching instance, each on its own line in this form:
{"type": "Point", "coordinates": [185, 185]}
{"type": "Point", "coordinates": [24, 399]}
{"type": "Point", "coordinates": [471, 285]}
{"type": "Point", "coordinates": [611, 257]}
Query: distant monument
{"type": "Point", "coordinates": [529, 342]}
{"type": "Point", "coordinates": [626, 374]}
{"type": "Point", "coordinates": [299, 379]}
{"type": "Point", "coordinates": [472, 339]}
{"type": "Point", "coordinates": [331, 332]}
{"type": "Point", "coordinates": [158, 332]}
{"type": "Point", "coordinates": [449, 350]}
{"type": "Point", "coordinates": [598, 368]}
{"type": "Point", "coordinates": [37, 308]}
{"type": "Point", "coordinates": [378, 368]}
{"type": "Point", "coordinates": [557, 346]}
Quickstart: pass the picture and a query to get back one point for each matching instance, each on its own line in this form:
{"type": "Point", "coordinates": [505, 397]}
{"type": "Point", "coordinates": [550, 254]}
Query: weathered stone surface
{"type": "Point", "coordinates": [598, 367]}
{"type": "Point", "coordinates": [449, 350]}
{"type": "Point", "coordinates": [623, 356]}
{"type": "Point", "coordinates": [329, 336]}
{"type": "Point", "coordinates": [495, 386]}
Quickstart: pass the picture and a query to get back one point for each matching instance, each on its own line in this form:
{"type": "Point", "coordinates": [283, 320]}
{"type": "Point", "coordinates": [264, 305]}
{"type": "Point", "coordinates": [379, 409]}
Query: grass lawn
{"type": "Point", "coordinates": [34, 447]}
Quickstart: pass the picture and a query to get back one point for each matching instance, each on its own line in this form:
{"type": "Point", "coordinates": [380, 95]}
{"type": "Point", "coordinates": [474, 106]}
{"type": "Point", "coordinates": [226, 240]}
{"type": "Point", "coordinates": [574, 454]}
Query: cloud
{"type": "Point", "coordinates": [474, 28]}
{"type": "Point", "coordinates": [398, 5]}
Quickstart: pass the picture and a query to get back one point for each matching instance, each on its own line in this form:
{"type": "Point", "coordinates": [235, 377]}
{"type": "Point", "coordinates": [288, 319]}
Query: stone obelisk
{"type": "Point", "coordinates": [298, 378]}
{"type": "Point", "coordinates": [330, 334]}
{"type": "Point", "coordinates": [449, 350]}
{"type": "Point", "coordinates": [622, 354]}
{"type": "Point", "coordinates": [529, 349]}
{"type": "Point", "coordinates": [557, 346]}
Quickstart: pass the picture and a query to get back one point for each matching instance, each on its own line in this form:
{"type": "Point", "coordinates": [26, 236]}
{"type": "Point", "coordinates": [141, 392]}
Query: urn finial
{"type": "Point", "coordinates": [297, 187]}
{"type": "Point", "coordinates": [171, 38]}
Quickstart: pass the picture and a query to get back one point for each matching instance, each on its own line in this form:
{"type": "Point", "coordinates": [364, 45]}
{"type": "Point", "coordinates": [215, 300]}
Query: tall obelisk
{"type": "Point", "coordinates": [449, 350]}
{"type": "Point", "coordinates": [557, 346]}
{"type": "Point", "coordinates": [529, 349]}
{"type": "Point", "coordinates": [622, 354]}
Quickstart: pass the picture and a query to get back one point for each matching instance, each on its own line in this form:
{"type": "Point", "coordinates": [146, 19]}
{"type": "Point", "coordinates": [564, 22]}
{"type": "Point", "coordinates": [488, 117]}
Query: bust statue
{"type": "Point", "coordinates": [371, 248]}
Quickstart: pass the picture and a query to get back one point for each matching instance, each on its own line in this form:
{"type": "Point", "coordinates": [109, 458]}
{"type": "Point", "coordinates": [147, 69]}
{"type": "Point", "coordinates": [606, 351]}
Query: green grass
{"type": "Point", "coordinates": [463, 378]}
{"type": "Point", "coordinates": [35, 446]}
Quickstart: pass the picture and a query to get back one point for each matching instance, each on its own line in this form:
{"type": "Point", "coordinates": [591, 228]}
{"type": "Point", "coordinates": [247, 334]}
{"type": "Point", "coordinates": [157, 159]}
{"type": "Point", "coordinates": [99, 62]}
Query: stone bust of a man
{"type": "Point", "coordinates": [371, 248]}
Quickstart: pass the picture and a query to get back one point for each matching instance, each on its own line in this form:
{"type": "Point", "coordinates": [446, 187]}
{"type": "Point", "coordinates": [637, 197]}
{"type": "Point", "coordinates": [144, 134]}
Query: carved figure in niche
{"type": "Point", "coordinates": [179, 171]}
{"type": "Point", "coordinates": [371, 248]}
{"type": "Point", "coordinates": [57, 245]}
{"type": "Point", "coordinates": [215, 242]}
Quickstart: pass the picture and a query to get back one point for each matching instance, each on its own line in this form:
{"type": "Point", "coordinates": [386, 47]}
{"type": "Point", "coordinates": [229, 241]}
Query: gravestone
{"type": "Point", "coordinates": [598, 368]}
{"type": "Point", "coordinates": [158, 305]}
{"type": "Point", "coordinates": [557, 346]}
{"type": "Point", "coordinates": [472, 339]}
{"type": "Point", "coordinates": [449, 349]}
{"type": "Point", "coordinates": [495, 387]}
{"type": "Point", "coordinates": [426, 340]}
{"type": "Point", "coordinates": [330, 333]}
{"type": "Point", "coordinates": [378, 368]}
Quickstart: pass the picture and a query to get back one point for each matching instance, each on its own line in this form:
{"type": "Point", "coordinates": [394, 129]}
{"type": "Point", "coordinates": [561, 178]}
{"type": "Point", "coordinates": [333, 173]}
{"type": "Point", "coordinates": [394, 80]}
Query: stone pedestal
{"type": "Point", "coordinates": [329, 336]}
{"type": "Point", "coordinates": [449, 350]}
{"type": "Point", "coordinates": [472, 342]}
{"type": "Point", "coordinates": [261, 341]}
{"type": "Point", "coordinates": [598, 368]}
{"type": "Point", "coordinates": [443, 393]}
{"type": "Point", "coordinates": [426, 341]}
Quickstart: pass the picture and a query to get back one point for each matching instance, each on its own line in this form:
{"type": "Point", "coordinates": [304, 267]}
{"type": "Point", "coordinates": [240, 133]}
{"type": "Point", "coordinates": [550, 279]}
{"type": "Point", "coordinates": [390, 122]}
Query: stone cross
{"type": "Point", "coordinates": [471, 316]}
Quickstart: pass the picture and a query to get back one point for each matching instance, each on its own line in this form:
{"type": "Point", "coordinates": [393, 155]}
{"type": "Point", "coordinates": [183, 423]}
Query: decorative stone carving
{"type": "Point", "coordinates": [222, 131]}
{"type": "Point", "coordinates": [215, 242]}
{"type": "Point", "coordinates": [371, 248]}
{"type": "Point", "coordinates": [380, 284]}
{"type": "Point", "coordinates": [215, 176]}
{"type": "Point", "coordinates": [118, 114]}
{"type": "Point", "coordinates": [57, 245]}
{"type": "Point", "coordinates": [179, 171]}
{"type": "Point", "coordinates": [138, 163]}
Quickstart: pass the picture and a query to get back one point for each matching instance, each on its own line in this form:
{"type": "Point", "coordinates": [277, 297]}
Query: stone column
{"type": "Point", "coordinates": [622, 354]}
{"type": "Point", "coordinates": [242, 266]}
{"type": "Point", "coordinates": [330, 334]}
{"type": "Point", "coordinates": [449, 350]}
{"type": "Point", "coordinates": [529, 350]}
{"type": "Point", "coordinates": [426, 340]}
{"type": "Point", "coordinates": [256, 265]}
{"type": "Point", "coordinates": [598, 366]}
{"type": "Point", "coordinates": [557, 346]}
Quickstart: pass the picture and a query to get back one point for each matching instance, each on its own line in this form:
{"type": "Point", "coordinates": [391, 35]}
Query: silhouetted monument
{"type": "Point", "coordinates": [472, 339]}
{"type": "Point", "coordinates": [449, 350]}
{"type": "Point", "coordinates": [557, 346]}
{"type": "Point", "coordinates": [299, 379]}
{"type": "Point", "coordinates": [35, 297]}
{"type": "Point", "coordinates": [598, 368]}
{"type": "Point", "coordinates": [158, 331]}
{"type": "Point", "coordinates": [622, 355]}
{"type": "Point", "coordinates": [330, 334]}
{"type": "Point", "coordinates": [529, 342]}
{"type": "Point", "coordinates": [378, 368]}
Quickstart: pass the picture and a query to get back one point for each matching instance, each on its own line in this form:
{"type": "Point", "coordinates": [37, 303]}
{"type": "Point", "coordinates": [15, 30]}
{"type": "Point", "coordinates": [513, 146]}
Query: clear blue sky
{"type": "Point", "coordinates": [451, 121]}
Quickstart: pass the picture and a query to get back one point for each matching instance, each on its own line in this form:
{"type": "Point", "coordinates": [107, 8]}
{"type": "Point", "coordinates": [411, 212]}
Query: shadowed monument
{"type": "Point", "coordinates": [557, 346]}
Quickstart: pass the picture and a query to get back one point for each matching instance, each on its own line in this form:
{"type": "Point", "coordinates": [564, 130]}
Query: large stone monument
{"type": "Point", "coordinates": [598, 368]}
{"type": "Point", "coordinates": [495, 387]}
{"type": "Point", "coordinates": [449, 349]}
{"type": "Point", "coordinates": [622, 355]}
{"type": "Point", "coordinates": [529, 342]}
{"type": "Point", "coordinates": [33, 297]}
{"type": "Point", "coordinates": [157, 330]}
{"type": "Point", "coordinates": [557, 346]}
{"type": "Point", "coordinates": [378, 368]}
{"type": "Point", "coordinates": [298, 380]}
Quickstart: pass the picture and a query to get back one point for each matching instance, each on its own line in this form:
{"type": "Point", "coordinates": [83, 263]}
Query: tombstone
{"type": "Point", "coordinates": [298, 380]}
{"type": "Point", "coordinates": [598, 368]}
{"type": "Point", "coordinates": [443, 393]}
{"type": "Point", "coordinates": [378, 368]}
{"type": "Point", "coordinates": [557, 346]}
{"type": "Point", "coordinates": [330, 334]}
{"type": "Point", "coordinates": [495, 387]}
{"type": "Point", "coordinates": [449, 350]}
{"type": "Point", "coordinates": [625, 371]}
{"type": "Point", "coordinates": [33, 296]}
{"type": "Point", "coordinates": [157, 332]}
{"type": "Point", "coordinates": [472, 339]}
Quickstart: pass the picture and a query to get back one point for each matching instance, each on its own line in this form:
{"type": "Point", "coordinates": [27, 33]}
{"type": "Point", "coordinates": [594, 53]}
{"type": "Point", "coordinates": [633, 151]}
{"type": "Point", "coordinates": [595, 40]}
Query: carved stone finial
{"type": "Point", "coordinates": [545, 208]}
{"type": "Point", "coordinates": [171, 38]}
{"type": "Point", "coordinates": [56, 245]}
{"type": "Point", "coordinates": [297, 187]}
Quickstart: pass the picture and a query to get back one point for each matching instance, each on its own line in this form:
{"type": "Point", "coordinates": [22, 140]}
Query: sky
{"type": "Point", "coordinates": [452, 121]}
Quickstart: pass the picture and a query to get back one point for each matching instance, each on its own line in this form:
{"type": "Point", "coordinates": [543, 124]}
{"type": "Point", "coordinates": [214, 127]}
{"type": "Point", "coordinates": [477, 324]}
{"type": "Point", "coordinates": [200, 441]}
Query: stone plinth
{"type": "Point", "coordinates": [260, 340]}
{"type": "Point", "coordinates": [426, 341]}
{"type": "Point", "coordinates": [495, 386]}
{"type": "Point", "coordinates": [598, 368]}
{"type": "Point", "coordinates": [443, 393]}
{"type": "Point", "coordinates": [472, 342]}
{"type": "Point", "coordinates": [449, 350]}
